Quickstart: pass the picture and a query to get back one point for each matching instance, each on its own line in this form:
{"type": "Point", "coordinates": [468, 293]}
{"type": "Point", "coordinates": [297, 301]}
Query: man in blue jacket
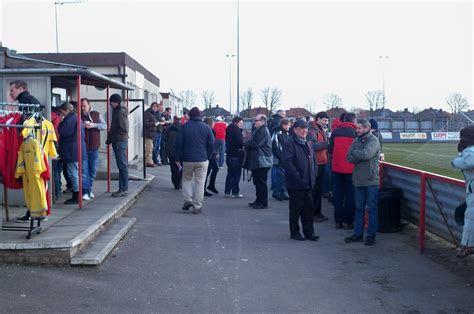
{"type": "Point", "coordinates": [194, 147]}
{"type": "Point", "coordinates": [300, 166]}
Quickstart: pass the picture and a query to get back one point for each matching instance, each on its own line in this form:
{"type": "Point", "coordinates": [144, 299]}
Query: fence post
{"type": "Point", "coordinates": [381, 174]}
{"type": "Point", "coordinates": [422, 210]}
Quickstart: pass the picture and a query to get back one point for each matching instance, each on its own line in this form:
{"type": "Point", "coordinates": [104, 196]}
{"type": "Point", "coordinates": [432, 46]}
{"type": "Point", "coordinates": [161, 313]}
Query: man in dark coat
{"type": "Point", "coordinates": [194, 147]}
{"type": "Point", "coordinates": [118, 137]}
{"type": "Point", "coordinates": [280, 135]}
{"type": "Point", "coordinates": [259, 160]}
{"type": "Point", "coordinates": [149, 132]}
{"type": "Point", "coordinates": [234, 143]}
{"type": "Point", "coordinates": [19, 92]}
{"type": "Point", "coordinates": [300, 172]}
{"type": "Point", "coordinates": [170, 135]}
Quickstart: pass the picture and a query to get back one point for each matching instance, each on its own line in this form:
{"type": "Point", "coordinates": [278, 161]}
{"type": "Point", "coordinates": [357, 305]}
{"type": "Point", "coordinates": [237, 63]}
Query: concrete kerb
{"type": "Point", "coordinates": [32, 252]}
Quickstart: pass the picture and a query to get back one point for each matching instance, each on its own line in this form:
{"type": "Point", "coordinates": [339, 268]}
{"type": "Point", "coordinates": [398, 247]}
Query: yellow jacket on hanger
{"type": "Point", "coordinates": [30, 165]}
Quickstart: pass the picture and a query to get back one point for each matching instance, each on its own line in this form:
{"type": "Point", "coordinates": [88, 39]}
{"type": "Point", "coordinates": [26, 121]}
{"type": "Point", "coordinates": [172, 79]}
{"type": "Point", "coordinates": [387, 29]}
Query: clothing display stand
{"type": "Point", "coordinates": [6, 108]}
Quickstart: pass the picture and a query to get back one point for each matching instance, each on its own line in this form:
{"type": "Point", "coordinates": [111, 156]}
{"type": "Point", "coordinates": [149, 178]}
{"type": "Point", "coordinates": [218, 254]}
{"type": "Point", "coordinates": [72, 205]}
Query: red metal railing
{"type": "Point", "coordinates": [423, 177]}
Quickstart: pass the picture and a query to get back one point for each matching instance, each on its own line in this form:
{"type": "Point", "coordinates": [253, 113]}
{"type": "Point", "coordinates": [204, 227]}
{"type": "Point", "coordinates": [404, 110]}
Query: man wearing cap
{"type": "Point", "coordinates": [300, 166]}
{"type": "Point", "coordinates": [118, 137]}
{"type": "Point", "coordinates": [219, 128]}
{"type": "Point", "coordinates": [194, 147]}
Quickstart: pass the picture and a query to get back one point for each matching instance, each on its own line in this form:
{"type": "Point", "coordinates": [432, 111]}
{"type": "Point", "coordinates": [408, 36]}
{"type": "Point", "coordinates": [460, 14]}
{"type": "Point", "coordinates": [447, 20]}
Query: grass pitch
{"type": "Point", "coordinates": [431, 157]}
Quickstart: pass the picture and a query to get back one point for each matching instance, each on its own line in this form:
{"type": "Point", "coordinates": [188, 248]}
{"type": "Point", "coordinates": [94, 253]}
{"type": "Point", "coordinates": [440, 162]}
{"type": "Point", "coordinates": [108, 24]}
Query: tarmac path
{"type": "Point", "coordinates": [232, 258]}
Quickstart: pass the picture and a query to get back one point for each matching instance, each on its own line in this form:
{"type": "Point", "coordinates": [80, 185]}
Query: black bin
{"type": "Point", "coordinates": [389, 210]}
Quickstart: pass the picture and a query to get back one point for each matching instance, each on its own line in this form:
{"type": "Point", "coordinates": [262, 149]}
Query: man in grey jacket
{"type": "Point", "coordinates": [364, 154]}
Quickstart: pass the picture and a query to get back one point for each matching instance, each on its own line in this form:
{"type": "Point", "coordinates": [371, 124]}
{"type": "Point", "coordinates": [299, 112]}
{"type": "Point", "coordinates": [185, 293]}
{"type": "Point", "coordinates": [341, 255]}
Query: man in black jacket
{"type": "Point", "coordinates": [19, 91]}
{"type": "Point", "coordinates": [259, 160]}
{"type": "Point", "coordinates": [280, 135]}
{"type": "Point", "coordinates": [118, 137]}
{"type": "Point", "coordinates": [300, 169]}
{"type": "Point", "coordinates": [170, 135]}
{"type": "Point", "coordinates": [234, 143]}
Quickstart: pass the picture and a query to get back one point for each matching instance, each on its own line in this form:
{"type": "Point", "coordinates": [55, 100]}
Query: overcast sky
{"type": "Point", "coordinates": [307, 49]}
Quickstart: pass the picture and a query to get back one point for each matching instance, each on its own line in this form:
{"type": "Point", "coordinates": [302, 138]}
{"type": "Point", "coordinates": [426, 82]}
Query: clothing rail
{"type": "Point", "coordinates": [31, 229]}
{"type": "Point", "coordinates": [20, 126]}
{"type": "Point", "coordinates": [15, 104]}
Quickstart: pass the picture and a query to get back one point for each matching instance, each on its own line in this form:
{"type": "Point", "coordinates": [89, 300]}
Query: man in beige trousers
{"type": "Point", "coordinates": [194, 146]}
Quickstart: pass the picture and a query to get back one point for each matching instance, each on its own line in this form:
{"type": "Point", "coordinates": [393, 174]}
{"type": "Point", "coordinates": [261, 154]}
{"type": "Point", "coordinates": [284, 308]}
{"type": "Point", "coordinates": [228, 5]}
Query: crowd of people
{"type": "Point", "coordinates": [297, 154]}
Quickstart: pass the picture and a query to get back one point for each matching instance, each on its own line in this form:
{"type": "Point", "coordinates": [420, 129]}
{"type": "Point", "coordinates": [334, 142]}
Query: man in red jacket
{"type": "Point", "coordinates": [339, 143]}
{"type": "Point", "coordinates": [219, 128]}
{"type": "Point", "coordinates": [317, 135]}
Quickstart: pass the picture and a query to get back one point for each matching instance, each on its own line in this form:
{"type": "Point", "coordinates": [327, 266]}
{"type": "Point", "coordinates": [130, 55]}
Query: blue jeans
{"type": "Point", "coordinates": [73, 173]}
{"type": "Point", "coordinates": [92, 162]}
{"type": "Point", "coordinates": [120, 152]}
{"type": "Point", "coordinates": [273, 176]}
{"type": "Point", "coordinates": [366, 196]}
{"type": "Point", "coordinates": [156, 148]}
{"type": "Point", "coordinates": [327, 179]}
{"type": "Point", "coordinates": [57, 170]}
{"type": "Point", "coordinates": [234, 171]}
{"type": "Point", "coordinates": [343, 200]}
{"type": "Point", "coordinates": [220, 146]}
{"type": "Point", "coordinates": [279, 185]}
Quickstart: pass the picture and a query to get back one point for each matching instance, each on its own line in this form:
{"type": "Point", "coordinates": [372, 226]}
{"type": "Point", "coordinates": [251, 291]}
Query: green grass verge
{"type": "Point", "coordinates": [431, 157]}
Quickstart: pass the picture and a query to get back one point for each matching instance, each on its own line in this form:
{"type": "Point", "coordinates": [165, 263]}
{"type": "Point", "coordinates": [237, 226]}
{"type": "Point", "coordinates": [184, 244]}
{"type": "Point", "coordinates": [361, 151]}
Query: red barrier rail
{"type": "Point", "coordinates": [423, 176]}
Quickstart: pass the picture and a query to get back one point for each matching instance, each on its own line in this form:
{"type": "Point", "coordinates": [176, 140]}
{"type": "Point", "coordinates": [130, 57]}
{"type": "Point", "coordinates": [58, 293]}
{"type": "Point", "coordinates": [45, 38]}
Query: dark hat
{"type": "Point", "coordinates": [194, 112]}
{"type": "Point", "coordinates": [115, 98]}
{"type": "Point", "coordinates": [373, 124]}
{"type": "Point", "coordinates": [300, 124]}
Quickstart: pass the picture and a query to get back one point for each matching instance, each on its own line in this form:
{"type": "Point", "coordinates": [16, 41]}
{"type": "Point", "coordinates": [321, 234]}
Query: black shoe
{"type": "Point", "coordinates": [286, 197]}
{"type": "Point", "coordinates": [253, 204]}
{"type": "Point", "coordinates": [297, 237]}
{"type": "Point", "coordinates": [259, 206]}
{"type": "Point", "coordinates": [278, 197]}
{"type": "Point", "coordinates": [312, 237]}
{"type": "Point", "coordinates": [74, 199]}
{"type": "Point", "coordinates": [119, 193]}
{"type": "Point", "coordinates": [369, 241]}
{"type": "Point", "coordinates": [25, 218]}
{"type": "Point", "coordinates": [187, 205]}
{"type": "Point", "coordinates": [213, 190]}
{"type": "Point", "coordinates": [206, 193]}
{"type": "Point", "coordinates": [354, 238]}
{"type": "Point", "coordinates": [320, 218]}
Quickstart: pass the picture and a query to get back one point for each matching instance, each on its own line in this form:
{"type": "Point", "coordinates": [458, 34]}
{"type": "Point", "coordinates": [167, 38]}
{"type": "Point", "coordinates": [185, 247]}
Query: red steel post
{"type": "Point", "coordinates": [381, 173]}
{"type": "Point", "coordinates": [108, 145]}
{"type": "Point", "coordinates": [422, 210]}
{"type": "Point", "coordinates": [79, 139]}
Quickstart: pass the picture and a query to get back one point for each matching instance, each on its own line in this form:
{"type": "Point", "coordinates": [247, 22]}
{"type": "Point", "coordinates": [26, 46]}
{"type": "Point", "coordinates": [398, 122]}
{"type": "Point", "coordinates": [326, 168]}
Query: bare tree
{"type": "Point", "coordinates": [457, 102]}
{"type": "Point", "coordinates": [311, 106]}
{"type": "Point", "coordinates": [208, 98]}
{"type": "Point", "coordinates": [375, 99]}
{"type": "Point", "coordinates": [188, 97]}
{"type": "Point", "coordinates": [333, 101]}
{"type": "Point", "coordinates": [271, 97]}
{"type": "Point", "coordinates": [247, 99]}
